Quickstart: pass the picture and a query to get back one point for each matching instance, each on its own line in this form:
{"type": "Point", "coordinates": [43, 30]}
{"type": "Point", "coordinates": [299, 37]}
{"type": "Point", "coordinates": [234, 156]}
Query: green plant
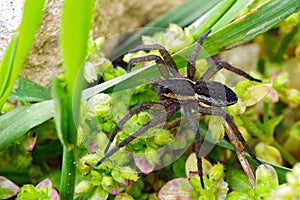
{"type": "Point", "coordinates": [35, 110]}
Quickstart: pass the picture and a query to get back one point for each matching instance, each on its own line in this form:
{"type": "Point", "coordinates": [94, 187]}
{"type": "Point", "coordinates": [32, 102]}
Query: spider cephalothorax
{"type": "Point", "coordinates": [177, 92]}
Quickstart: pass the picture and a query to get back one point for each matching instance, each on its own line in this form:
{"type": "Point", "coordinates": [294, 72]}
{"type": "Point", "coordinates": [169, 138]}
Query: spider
{"type": "Point", "coordinates": [176, 92]}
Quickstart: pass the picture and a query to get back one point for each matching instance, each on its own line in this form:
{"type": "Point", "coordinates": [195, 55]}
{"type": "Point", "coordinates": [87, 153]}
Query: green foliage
{"type": "Point", "coordinates": [265, 126]}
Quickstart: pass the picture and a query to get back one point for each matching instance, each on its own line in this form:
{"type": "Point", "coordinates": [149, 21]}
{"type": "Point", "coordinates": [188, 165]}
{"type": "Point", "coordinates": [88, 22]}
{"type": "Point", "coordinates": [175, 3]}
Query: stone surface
{"type": "Point", "coordinates": [10, 18]}
{"type": "Point", "coordinates": [111, 17]}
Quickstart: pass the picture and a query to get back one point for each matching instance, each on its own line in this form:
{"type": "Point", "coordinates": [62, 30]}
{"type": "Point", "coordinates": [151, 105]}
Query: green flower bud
{"type": "Point", "coordinates": [103, 113]}
{"type": "Point", "coordinates": [162, 137]}
{"type": "Point", "coordinates": [83, 187]}
{"type": "Point", "coordinates": [216, 172]}
{"type": "Point", "coordinates": [110, 185]}
{"type": "Point", "coordinates": [268, 153]}
{"type": "Point", "coordinates": [7, 107]}
{"type": "Point", "coordinates": [129, 174]}
{"type": "Point", "coordinates": [108, 126]}
{"type": "Point", "coordinates": [143, 118]}
{"type": "Point", "coordinates": [119, 71]}
{"type": "Point", "coordinates": [116, 174]}
{"type": "Point", "coordinates": [99, 99]}
{"type": "Point", "coordinates": [96, 178]}
{"type": "Point", "coordinates": [281, 80]}
{"type": "Point", "coordinates": [195, 182]}
{"type": "Point", "coordinates": [99, 193]}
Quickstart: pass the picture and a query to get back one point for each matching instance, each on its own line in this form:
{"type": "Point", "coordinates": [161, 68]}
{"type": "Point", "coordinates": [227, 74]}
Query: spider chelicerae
{"type": "Point", "coordinates": [176, 92]}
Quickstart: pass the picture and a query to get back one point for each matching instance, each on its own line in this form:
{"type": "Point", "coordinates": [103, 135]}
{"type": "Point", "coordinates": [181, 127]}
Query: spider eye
{"type": "Point", "coordinates": [214, 93]}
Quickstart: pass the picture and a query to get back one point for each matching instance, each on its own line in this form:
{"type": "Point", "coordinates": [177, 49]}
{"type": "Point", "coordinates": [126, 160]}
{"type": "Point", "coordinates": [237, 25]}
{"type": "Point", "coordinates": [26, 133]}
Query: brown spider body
{"type": "Point", "coordinates": [176, 92]}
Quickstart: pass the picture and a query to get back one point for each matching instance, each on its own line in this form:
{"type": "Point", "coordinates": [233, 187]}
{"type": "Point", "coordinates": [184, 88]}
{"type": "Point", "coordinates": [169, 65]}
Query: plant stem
{"type": "Point", "coordinates": [68, 174]}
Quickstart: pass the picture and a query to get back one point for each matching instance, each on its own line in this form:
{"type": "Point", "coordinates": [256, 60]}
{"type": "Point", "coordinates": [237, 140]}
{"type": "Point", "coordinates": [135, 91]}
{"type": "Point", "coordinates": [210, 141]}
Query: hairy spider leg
{"type": "Point", "coordinates": [238, 134]}
{"type": "Point", "coordinates": [120, 124]}
{"type": "Point", "coordinates": [151, 123]}
{"type": "Point", "coordinates": [191, 66]}
{"type": "Point", "coordinates": [221, 113]}
{"type": "Point", "coordinates": [193, 122]}
{"type": "Point", "coordinates": [165, 54]}
{"type": "Point", "coordinates": [239, 151]}
{"type": "Point", "coordinates": [158, 60]}
{"type": "Point", "coordinates": [223, 65]}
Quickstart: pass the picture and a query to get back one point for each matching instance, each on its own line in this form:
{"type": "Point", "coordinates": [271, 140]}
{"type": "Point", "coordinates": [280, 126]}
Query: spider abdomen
{"type": "Point", "coordinates": [214, 93]}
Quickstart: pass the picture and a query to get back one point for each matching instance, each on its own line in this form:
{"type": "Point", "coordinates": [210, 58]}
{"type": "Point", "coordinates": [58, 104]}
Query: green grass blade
{"type": "Point", "coordinates": [256, 22]}
{"type": "Point", "coordinates": [19, 47]}
{"type": "Point", "coordinates": [210, 18]}
{"type": "Point", "coordinates": [6, 68]}
{"type": "Point", "coordinates": [76, 23]}
{"type": "Point", "coordinates": [182, 15]}
{"type": "Point", "coordinates": [17, 122]}
{"type": "Point", "coordinates": [235, 10]}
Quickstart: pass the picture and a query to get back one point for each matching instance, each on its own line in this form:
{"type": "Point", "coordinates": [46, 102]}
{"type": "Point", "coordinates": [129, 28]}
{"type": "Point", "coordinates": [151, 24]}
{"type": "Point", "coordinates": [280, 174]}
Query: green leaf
{"type": "Point", "coordinates": [266, 181]}
{"type": "Point", "coordinates": [19, 47]}
{"type": "Point", "coordinates": [8, 189]}
{"type": "Point", "coordinates": [26, 90]}
{"type": "Point", "coordinates": [17, 122]}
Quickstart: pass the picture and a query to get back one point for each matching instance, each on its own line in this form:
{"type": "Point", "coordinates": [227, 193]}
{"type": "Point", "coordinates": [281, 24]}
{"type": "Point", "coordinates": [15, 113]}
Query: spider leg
{"type": "Point", "coordinates": [127, 140]}
{"type": "Point", "coordinates": [235, 138]}
{"type": "Point", "coordinates": [238, 134]}
{"type": "Point", "coordinates": [239, 152]}
{"type": "Point", "coordinates": [151, 123]}
{"type": "Point", "coordinates": [121, 123]}
{"type": "Point", "coordinates": [223, 65]}
{"type": "Point", "coordinates": [193, 122]}
{"type": "Point", "coordinates": [165, 54]}
{"type": "Point", "coordinates": [191, 66]}
{"type": "Point", "coordinates": [160, 63]}
{"type": "Point", "coordinates": [221, 113]}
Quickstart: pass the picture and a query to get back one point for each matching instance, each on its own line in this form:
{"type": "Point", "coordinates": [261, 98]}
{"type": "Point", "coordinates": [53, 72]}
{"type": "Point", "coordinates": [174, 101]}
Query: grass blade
{"type": "Point", "coordinates": [17, 122]}
{"type": "Point", "coordinates": [19, 47]}
{"type": "Point", "coordinates": [182, 15]}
